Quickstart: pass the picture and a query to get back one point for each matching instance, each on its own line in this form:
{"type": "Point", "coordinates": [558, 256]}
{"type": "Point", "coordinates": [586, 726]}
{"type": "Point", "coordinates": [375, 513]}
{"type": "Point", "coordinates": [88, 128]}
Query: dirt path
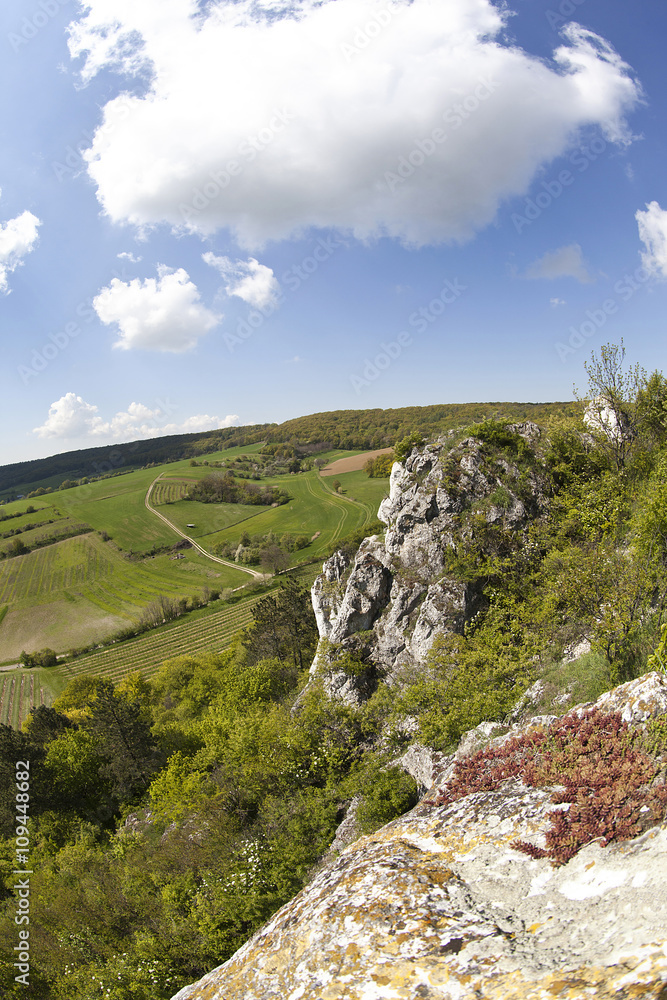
{"type": "Point", "coordinates": [196, 545]}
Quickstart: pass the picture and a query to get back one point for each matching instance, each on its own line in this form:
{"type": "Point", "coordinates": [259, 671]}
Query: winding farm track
{"type": "Point", "coordinates": [195, 545]}
{"type": "Point", "coordinates": [337, 500]}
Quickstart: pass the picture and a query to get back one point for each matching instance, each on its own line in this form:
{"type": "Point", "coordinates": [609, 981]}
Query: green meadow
{"type": "Point", "coordinates": [84, 588]}
{"type": "Point", "coordinates": [314, 508]}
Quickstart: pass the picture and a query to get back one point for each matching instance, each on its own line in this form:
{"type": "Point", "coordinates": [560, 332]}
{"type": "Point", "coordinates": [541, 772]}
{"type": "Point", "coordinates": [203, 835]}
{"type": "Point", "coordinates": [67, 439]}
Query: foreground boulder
{"type": "Point", "coordinates": [439, 905]}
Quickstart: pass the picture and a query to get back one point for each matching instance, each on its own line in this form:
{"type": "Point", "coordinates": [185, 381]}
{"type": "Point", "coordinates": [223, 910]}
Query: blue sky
{"type": "Point", "coordinates": [236, 212]}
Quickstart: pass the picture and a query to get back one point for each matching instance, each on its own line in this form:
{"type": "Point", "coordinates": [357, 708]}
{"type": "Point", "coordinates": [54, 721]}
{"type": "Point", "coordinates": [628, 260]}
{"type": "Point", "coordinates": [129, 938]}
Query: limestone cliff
{"type": "Point", "coordinates": [439, 905]}
{"type": "Point", "coordinates": [401, 587]}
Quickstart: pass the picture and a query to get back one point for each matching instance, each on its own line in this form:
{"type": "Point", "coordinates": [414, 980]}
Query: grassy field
{"type": "Point", "coordinates": [207, 518]}
{"type": "Point", "coordinates": [313, 508]}
{"type": "Point", "coordinates": [117, 505]}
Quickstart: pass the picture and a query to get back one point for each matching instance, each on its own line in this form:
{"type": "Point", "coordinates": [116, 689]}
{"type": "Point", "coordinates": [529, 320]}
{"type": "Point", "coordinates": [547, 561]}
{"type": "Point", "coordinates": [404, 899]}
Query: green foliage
{"type": "Point", "coordinates": [605, 595]}
{"type": "Point", "coordinates": [471, 678]}
{"type": "Point", "coordinates": [570, 457]}
{"type": "Point", "coordinates": [496, 434]}
{"type": "Point", "coordinates": [403, 448]}
{"type": "Point", "coordinates": [658, 659]}
{"type": "Point", "coordinates": [226, 489]}
{"type": "Point", "coordinates": [283, 626]}
{"type": "Point", "coordinates": [45, 724]}
{"type": "Point", "coordinates": [591, 510]}
{"type": "Point", "coordinates": [386, 795]}
{"type": "Point", "coordinates": [121, 733]}
{"type": "Point", "coordinates": [649, 519]}
{"type": "Point", "coordinates": [44, 658]}
{"type": "Point", "coordinates": [79, 694]}
{"type": "Point", "coordinates": [75, 764]}
{"type": "Point", "coordinates": [380, 466]}
{"type": "Point", "coordinates": [567, 684]}
{"type": "Point", "coordinates": [652, 408]}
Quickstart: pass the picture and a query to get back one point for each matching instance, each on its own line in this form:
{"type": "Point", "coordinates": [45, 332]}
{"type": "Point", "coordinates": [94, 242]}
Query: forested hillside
{"type": "Point", "coordinates": [346, 429]}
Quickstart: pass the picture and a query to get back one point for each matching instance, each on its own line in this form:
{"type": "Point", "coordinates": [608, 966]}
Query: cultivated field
{"type": "Point", "coordinates": [353, 464]}
{"type": "Point", "coordinates": [208, 634]}
{"type": "Point", "coordinates": [209, 630]}
{"type": "Point", "coordinates": [82, 589]}
{"type": "Point", "coordinates": [20, 690]}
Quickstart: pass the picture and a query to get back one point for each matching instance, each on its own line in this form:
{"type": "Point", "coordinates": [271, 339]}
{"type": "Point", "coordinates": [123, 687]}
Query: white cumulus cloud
{"type": "Point", "coordinates": [653, 234]}
{"type": "Point", "coordinates": [249, 280]}
{"type": "Point", "coordinates": [163, 314]}
{"type": "Point", "coordinates": [71, 417]}
{"type": "Point", "coordinates": [566, 262]}
{"type": "Point", "coordinates": [17, 238]}
{"type": "Point", "coordinates": [412, 119]}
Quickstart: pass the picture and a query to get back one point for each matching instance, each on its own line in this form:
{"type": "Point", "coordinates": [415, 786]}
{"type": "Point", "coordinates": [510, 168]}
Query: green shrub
{"type": "Point", "coordinates": [385, 796]}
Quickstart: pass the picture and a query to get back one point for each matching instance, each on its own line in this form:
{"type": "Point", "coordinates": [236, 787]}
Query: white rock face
{"type": "Point", "coordinates": [602, 417]}
{"type": "Point", "coordinates": [327, 592]}
{"type": "Point", "coordinates": [399, 586]}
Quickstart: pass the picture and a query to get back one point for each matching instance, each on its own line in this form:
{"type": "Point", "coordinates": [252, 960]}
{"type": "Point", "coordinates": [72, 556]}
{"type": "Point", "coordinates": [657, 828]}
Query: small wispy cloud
{"type": "Point", "coordinates": [17, 238]}
{"type": "Point", "coordinates": [249, 280]}
{"type": "Point", "coordinates": [653, 233]}
{"type": "Point", "coordinates": [566, 262]}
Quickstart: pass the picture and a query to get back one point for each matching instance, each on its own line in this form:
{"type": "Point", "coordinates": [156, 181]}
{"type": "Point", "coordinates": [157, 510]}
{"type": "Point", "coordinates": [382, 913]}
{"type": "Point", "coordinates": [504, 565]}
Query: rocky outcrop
{"type": "Point", "coordinates": [439, 905]}
{"type": "Point", "coordinates": [441, 498]}
{"type": "Point", "coordinates": [328, 590]}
